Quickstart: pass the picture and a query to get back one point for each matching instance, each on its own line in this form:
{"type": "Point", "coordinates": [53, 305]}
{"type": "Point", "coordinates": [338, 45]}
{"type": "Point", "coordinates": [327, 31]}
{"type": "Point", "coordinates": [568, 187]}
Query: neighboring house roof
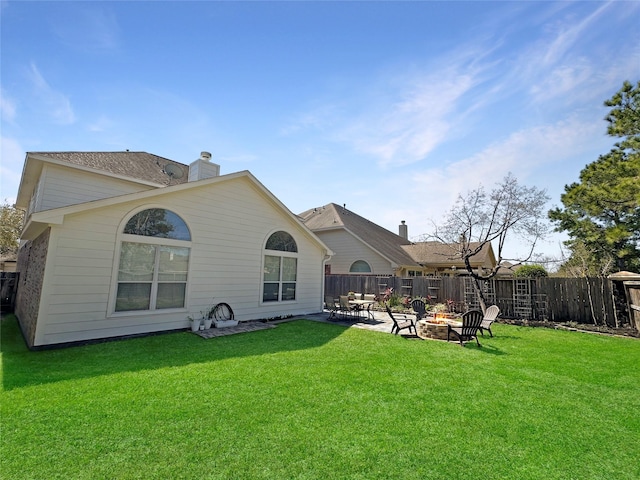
{"type": "Point", "coordinates": [142, 167]}
{"type": "Point", "coordinates": [333, 217]}
{"type": "Point", "coordinates": [397, 249]}
{"type": "Point", "coordinates": [442, 254]}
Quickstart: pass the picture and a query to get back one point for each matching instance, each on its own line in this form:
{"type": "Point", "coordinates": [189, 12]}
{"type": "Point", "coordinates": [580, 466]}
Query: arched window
{"type": "Point", "coordinates": [360, 266]}
{"type": "Point", "coordinates": [154, 261]}
{"type": "Point", "coordinates": [159, 223]}
{"type": "Point", "coordinates": [280, 270]}
{"type": "Point", "coordinates": [282, 241]}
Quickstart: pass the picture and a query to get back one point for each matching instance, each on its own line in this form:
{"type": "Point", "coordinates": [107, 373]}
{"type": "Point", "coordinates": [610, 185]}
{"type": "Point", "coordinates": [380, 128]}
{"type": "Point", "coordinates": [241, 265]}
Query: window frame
{"type": "Point", "coordinates": [360, 271]}
{"type": "Point", "coordinates": [281, 255]}
{"type": "Point", "coordinates": [158, 243]}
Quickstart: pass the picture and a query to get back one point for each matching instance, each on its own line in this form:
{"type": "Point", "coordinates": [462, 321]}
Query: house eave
{"type": "Point", "coordinates": [40, 220]}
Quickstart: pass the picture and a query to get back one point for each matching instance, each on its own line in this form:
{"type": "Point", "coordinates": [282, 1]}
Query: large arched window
{"type": "Point", "coordinates": [154, 261]}
{"type": "Point", "coordinates": [280, 268]}
{"type": "Point", "coordinates": [360, 266]}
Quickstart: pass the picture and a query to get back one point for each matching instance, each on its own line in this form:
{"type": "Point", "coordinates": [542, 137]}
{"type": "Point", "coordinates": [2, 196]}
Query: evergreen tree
{"type": "Point", "coordinates": [601, 212]}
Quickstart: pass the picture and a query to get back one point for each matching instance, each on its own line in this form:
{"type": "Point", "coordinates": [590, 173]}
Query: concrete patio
{"type": "Point", "coordinates": [380, 323]}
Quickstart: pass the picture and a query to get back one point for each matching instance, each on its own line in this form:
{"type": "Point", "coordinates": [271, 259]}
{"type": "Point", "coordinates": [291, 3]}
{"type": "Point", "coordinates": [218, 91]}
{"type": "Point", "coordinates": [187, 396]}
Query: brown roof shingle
{"type": "Point", "coordinates": [437, 253]}
{"type": "Point", "coordinates": [380, 239]}
{"type": "Point", "coordinates": [396, 248]}
{"type": "Point", "coordinates": [137, 165]}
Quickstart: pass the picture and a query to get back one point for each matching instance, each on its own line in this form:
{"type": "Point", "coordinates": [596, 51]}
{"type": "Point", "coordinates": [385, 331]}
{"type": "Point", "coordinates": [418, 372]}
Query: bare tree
{"type": "Point", "coordinates": [510, 211]}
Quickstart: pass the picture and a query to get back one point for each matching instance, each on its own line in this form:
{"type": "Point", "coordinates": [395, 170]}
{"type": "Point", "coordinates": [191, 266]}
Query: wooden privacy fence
{"type": "Point", "coordinates": [8, 287]}
{"type": "Point", "coordinates": [580, 300]}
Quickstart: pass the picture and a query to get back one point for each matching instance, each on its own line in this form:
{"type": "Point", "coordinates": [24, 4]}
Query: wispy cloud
{"type": "Point", "coordinates": [55, 104]}
{"type": "Point", "coordinates": [411, 116]}
{"type": "Point", "coordinates": [101, 124]}
{"type": "Point", "coordinates": [572, 57]}
{"type": "Point", "coordinates": [568, 34]}
{"type": "Point", "coordinates": [522, 153]}
{"type": "Point", "coordinates": [7, 107]}
{"type": "Point", "coordinates": [12, 155]}
{"type": "Point", "coordinates": [318, 118]}
{"type": "Point", "coordinates": [89, 29]}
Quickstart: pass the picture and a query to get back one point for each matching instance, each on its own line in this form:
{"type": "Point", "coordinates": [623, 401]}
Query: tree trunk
{"type": "Point", "coordinates": [481, 299]}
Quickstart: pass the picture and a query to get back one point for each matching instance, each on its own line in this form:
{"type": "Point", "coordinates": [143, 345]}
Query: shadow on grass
{"type": "Point", "coordinates": [471, 344]}
{"type": "Point", "coordinates": [22, 367]}
{"type": "Point", "coordinates": [490, 349]}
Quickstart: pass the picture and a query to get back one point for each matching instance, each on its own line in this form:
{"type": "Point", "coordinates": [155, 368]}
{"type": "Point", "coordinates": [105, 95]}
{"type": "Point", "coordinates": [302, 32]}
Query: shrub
{"type": "Point", "coordinates": [531, 271]}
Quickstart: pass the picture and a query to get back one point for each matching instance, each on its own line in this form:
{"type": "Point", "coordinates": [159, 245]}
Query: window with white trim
{"type": "Point", "coordinates": [154, 262]}
{"type": "Point", "coordinates": [360, 266]}
{"type": "Point", "coordinates": [280, 269]}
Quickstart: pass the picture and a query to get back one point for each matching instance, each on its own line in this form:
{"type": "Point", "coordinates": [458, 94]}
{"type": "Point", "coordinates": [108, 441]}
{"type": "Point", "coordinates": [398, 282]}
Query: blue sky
{"type": "Point", "coordinates": [392, 108]}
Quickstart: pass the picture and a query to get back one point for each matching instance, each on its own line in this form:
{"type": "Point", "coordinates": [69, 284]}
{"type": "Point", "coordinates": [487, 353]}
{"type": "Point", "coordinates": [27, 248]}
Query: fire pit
{"type": "Point", "coordinates": [435, 327]}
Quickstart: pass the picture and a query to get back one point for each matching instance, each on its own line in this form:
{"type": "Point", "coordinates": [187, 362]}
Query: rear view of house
{"type": "Point", "coordinates": [123, 243]}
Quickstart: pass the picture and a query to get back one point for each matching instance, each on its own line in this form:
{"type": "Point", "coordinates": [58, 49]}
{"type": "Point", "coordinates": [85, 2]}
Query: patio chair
{"type": "Point", "coordinates": [404, 323]}
{"type": "Point", "coordinates": [344, 308]}
{"type": "Point", "coordinates": [420, 308]}
{"type": "Point", "coordinates": [471, 321]}
{"type": "Point", "coordinates": [369, 297]}
{"type": "Point", "coordinates": [331, 305]}
{"type": "Point", "coordinates": [489, 317]}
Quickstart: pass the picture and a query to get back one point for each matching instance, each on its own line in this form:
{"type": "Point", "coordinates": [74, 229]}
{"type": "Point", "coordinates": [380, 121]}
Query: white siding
{"type": "Point", "coordinates": [60, 187]}
{"type": "Point", "coordinates": [229, 225]}
{"type": "Point", "coordinates": [348, 249]}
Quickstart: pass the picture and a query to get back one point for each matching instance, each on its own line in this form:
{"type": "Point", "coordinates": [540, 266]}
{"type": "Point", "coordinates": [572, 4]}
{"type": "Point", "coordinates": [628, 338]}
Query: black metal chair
{"type": "Point", "coordinates": [405, 323]}
{"type": "Point", "coordinates": [471, 322]}
{"type": "Point", "coordinates": [420, 308]}
{"type": "Point", "coordinates": [489, 317]}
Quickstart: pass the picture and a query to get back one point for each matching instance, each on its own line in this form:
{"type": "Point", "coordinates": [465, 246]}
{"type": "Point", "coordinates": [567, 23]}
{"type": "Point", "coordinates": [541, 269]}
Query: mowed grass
{"type": "Point", "coordinates": [318, 401]}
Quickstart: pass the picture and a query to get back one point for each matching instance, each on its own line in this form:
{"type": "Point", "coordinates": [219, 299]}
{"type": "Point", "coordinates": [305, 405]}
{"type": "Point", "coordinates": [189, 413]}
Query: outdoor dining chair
{"type": "Point", "coordinates": [331, 306]}
{"type": "Point", "coordinates": [345, 309]}
{"type": "Point", "coordinates": [401, 324]}
{"type": "Point", "coordinates": [489, 317]}
{"type": "Point", "coordinates": [471, 321]}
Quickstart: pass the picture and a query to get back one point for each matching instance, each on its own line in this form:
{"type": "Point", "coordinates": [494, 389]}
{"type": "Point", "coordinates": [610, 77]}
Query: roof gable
{"type": "Point", "coordinates": [138, 167]}
{"type": "Point", "coordinates": [38, 221]}
{"type": "Point", "coordinates": [333, 216]}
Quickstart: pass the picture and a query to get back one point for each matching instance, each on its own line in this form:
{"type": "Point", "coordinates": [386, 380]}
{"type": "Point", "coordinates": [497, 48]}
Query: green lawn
{"type": "Point", "coordinates": [314, 400]}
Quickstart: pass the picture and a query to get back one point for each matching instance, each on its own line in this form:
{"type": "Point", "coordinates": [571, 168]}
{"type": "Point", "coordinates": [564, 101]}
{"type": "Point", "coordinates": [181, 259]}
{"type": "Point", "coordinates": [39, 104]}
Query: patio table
{"type": "Point", "coordinates": [359, 305]}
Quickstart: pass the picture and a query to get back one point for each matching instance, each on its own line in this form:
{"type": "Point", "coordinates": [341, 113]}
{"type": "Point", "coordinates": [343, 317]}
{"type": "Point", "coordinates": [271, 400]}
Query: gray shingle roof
{"type": "Point", "coordinates": [138, 165]}
{"type": "Point", "coordinates": [380, 239]}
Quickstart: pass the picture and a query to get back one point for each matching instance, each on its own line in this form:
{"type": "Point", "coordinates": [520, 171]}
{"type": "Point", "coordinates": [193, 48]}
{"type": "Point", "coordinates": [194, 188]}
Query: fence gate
{"type": "Point", "coordinates": [633, 299]}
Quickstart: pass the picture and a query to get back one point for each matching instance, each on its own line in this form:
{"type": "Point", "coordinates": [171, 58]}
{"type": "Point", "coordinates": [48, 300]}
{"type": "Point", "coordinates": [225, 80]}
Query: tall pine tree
{"type": "Point", "coordinates": [601, 213]}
